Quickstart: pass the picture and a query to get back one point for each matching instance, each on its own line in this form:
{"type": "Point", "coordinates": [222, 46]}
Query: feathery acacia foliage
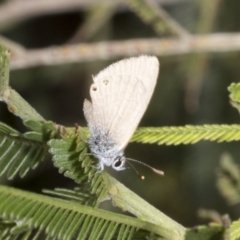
{"type": "Point", "coordinates": [18, 153]}
{"type": "Point", "coordinates": [70, 155]}
{"type": "Point", "coordinates": [234, 95]}
{"type": "Point", "coordinates": [73, 214]}
{"type": "Point", "coordinates": [228, 183]}
{"type": "Point", "coordinates": [188, 134]}
{"type": "Point", "coordinates": [35, 215]}
{"type": "Point", "coordinates": [234, 231]}
{"type": "Point", "coordinates": [228, 179]}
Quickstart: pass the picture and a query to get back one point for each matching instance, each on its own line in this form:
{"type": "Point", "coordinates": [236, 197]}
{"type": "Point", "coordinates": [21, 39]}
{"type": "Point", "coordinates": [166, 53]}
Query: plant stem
{"type": "Point", "coordinates": [128, 201]}
{"type": "Point", "coordinates": [16, 104]}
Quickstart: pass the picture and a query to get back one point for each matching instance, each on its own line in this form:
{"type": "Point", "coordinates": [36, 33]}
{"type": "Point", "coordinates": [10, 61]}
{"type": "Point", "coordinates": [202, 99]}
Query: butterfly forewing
{"type": "Point", "coordinates": [120, 95]}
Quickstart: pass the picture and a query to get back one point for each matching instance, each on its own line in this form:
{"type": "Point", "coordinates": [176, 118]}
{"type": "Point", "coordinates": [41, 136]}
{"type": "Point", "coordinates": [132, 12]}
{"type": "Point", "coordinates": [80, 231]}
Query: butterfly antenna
{"type": "Point", "coordinates": [139, 175]}
{"type": "Point", "coordinates": [146, 165]}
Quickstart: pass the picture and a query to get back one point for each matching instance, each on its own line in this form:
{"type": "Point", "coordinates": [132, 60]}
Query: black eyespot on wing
{"type": "Point", "coordinates": [105, 82]}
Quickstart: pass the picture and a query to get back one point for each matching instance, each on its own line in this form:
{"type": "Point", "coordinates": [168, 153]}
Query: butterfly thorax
{"type": "Point", "coordinates": [105, 149]}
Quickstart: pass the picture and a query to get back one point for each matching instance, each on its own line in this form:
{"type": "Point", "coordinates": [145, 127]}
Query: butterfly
{"type": "Point", "coordinates": [120, 95]}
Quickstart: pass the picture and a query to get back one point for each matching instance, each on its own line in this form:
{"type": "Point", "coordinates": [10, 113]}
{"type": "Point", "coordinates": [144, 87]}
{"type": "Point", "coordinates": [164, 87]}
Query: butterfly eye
{"type": "Point", "coordinates": [118, 162]}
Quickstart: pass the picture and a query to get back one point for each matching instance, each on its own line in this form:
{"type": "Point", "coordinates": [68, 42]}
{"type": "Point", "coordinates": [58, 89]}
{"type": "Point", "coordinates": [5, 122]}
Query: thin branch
{"type": "Point", "coordinates": [17, 10]}
{"type": "Point", "coordinates": [170, 2]}
{"type": "Point", "coordinates": [152, 13]}
{"type": "Point", "coordinates": [4, 70]}
{"type": "Point", "coordinates": [143, 210]}
{"type": "Point", "coordinates": [9, 44]}
{"type": "Point", "coordinates": [97, 18]}
{"type": "Point", "coordinates": [197, 66]}
{"type": "Point", "coordinates": [16, 104]}
{"type": "Point", "coordinates": [13, 11]}
{"type": "Point", "coordinates": [114, 49]}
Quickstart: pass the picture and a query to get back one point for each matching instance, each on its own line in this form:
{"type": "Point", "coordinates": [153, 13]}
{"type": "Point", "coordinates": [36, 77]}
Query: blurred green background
{"type": "Point", "coordinates": [191, 89]}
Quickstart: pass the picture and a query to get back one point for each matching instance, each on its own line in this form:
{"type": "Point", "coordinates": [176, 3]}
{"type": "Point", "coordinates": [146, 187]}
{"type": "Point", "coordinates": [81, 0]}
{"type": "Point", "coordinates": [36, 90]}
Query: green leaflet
{"type": "Point", "coordinates": [17, 153]}
{"type": "Point", "coordinates": [61, 219]}
{"type": "Point", "coordinates": [188, 134]}
{"type": "Point", "coordinates": [228, 179]}
{"type": "Point", "coordinates": [71, 157]}
{"type": "Point", "coordinates": [234, 95]}
{"type": "Point", "coordinates": [234, 231]}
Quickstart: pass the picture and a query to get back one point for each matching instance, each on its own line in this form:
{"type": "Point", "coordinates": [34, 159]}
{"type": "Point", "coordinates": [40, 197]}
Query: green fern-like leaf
{"type": "Point", "coordinates": [234, 90]}
{"type": "Point", "coordinates": [188, 134]}
{"type": "Point", "coordinates": [43, 131]}
{"type": "Point", "coordinates": [71, 156]}
{"type": "Point", "coordinates": [5, 228]}
{"type": "Point", "coordinates": [234, 230]}
{"type": "Point", "coordinates": [228, 179]}
{"type": "Point", "coordinates": [234, 95]}
{"type": "Point", "coordinates": [21, 152]}
{"type": "Point", "coordinates": [79, 195]}
{"type": "Point", "coordinates": [60, 219]}
{"type": "Point", "coordinates": [210, 232]}
{"type": "Point", "coordinates": [18, 153]}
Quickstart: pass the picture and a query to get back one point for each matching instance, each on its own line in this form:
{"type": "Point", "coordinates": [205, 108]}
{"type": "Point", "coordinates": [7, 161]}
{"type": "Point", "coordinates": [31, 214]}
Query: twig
{"type": "Point", "coordinates": [17, 10]}
{"type": "Point", "coordinates": [109, 50]}
{"type": "Point", "coordinates": [15, 103]}
{"type": "Point", "coordinates": [143, 210]}
{"type": "Point", "coordinates": [13, 11]}
{"type": "Point", "coordinates": [197, 66]}
{"type": "Point", "coordinates": [98, 16]}
{"type": "Point", "coordinates": [152, 13]}
{"type": "Point", "coordinates": [9, 44]}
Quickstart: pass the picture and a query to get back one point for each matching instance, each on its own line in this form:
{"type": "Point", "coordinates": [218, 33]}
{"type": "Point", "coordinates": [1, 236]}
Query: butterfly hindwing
{"type": "Point", "coordinates": [120, 95]}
